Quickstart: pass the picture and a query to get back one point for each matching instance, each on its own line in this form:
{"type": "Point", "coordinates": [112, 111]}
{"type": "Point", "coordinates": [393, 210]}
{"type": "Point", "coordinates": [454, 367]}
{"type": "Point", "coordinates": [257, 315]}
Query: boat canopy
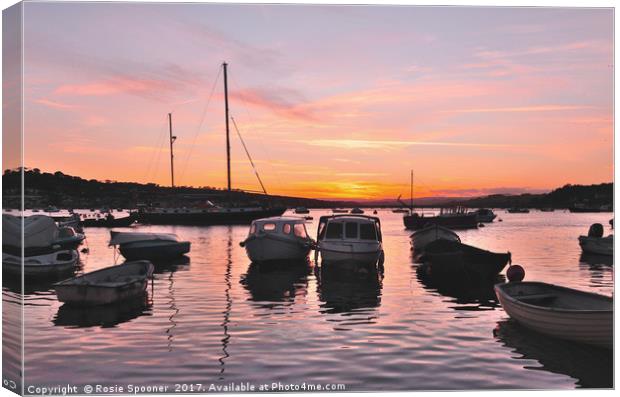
{"type": "Point", "coordinates": [39, 231]}
{"type": "Point", "coordinates": [118, 238]}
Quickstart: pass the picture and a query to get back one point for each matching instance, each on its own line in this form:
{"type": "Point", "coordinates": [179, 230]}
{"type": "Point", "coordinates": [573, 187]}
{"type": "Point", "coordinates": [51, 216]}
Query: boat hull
{"type": "Point", "coordinates": [266, 249]}
{"type": "Point", "coordinates": [154, 249]}
{"type": "Point", "coordinates": [465, 221]}
{"type": "Point", "coordinates": [208, 217]}
{"type": "Point", "coordinates": [597, 245]}
{"type": "Point", "coordinates": [116, 222]}
{"type": "Point", "coordinates": [421, 238]}
{"type": "Point", "coordinates": [349, 255]}
{"type": "Point", "coordinates": [82, 292]}
{"type": "Point", "coordinates": [51, 265]}
{"type": "Point", "coordinates": [593, 327]}
{"type": "Point", "coordinates": [450, 259]}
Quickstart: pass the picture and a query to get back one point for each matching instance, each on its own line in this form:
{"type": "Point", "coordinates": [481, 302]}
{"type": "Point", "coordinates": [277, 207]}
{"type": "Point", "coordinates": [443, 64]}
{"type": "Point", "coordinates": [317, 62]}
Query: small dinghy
{"type": "Point", "coordinates": [421, 238]}
{"type": "Point", "coordinates": [105, 286]}
{"type": "Point", "coordinates": [595, 243]}
{"type": "Point", "coordinates": [560, 312]}
{"type": "Point", "coordinates": [54, 264]}
{"type": "Point", "coordinates": [278, 239]}
{"type": "Point", "coordinates": [453, 259]}
{"type": "Point", "coordinates": [349, 240]}
{"type": "Point", "coordinates": [151, 246]}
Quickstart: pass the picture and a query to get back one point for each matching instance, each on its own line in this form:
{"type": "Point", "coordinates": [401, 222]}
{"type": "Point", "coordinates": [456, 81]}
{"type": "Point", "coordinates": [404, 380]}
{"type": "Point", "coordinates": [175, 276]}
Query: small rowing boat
{"type": "Point", "coordinates": [560, 312]}
{"type": "Point", "coordinates": [105, 286]}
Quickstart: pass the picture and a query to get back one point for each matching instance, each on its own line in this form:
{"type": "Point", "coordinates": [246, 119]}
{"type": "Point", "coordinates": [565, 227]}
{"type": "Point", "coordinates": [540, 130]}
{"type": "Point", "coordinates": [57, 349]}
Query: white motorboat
{"type": "Point", "coordinates": [46, 265]}
{"type": "Point", "coordinates": [485, 215]}
{"type": "Point", "coordinates": [349, 239]}
{"type": "Point", "coordinates": [152, 246]}
{"type": "Point", "coordinates": [595, 243]}
{"type": "Point", "coordinates": [559, 312]}
{"type": "Point", "coordinates": [105, 286]}
{"type": "Point", "coordinates": [357, 211]}
{"type": "Point", "coordinates": [46, 252]}
{"type": "Point", "coordinates": [277, 239]}
{"type": "Point", "coordinates": [421, 238]}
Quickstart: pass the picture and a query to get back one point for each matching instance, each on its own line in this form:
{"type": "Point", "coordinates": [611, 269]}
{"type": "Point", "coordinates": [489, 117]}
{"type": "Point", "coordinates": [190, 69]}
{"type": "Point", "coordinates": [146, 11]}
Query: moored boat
{"type": "Point", "coordinates": [278, 239]}
{"type": "Point", "coordinates": [31, 246]}
{"type": "Point", "coordinates": [152, 246]}
{"type": "Point", "coordinates": [349, 240]}
{"type": "Point", "coordinates": [453, 259]}
{"type": "Point", "coordinates": [518, 210]}
{"type": "Point", "coordinates": [105, 286]}
{"type": "Point", "coordinates": [560, 312]}
{"type": "Point", "coordinates": [357, 210]}
{"type": "Point", "coordinates": [51, 265]}
{"type": "Point", "coordinates": [421, 238]}
{"type": "Point", "coordinates": [339, 211]}
{"type": "Point", "coordinates": [455, 218]}
{"type": "Point", "coordinates": [110, 221]}
{"type": "Point", "coordinates": [595, 243]}
{"type": "Point", "coordinates": [485, 215]}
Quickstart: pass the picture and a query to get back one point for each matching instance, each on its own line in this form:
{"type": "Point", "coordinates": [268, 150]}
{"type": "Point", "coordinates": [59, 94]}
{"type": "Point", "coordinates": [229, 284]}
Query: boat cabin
{"type": "Point", "coordinates": [286, 226]}
{"type": "Point", "coordinates": [349, 227]}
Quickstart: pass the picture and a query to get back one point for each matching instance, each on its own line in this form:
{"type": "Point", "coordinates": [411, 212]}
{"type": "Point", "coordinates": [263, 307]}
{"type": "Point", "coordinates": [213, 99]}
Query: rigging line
{"type": "Point", "coordinates": [159, 145]}
{"type": "Point", "coordinates": [157, 163]}
{"type": "Point", "coordinates": [202, 119]}
{"type": "Point", "coordinates": [260, 141]}
{"type": "Point", "coordinates": [248, 153]}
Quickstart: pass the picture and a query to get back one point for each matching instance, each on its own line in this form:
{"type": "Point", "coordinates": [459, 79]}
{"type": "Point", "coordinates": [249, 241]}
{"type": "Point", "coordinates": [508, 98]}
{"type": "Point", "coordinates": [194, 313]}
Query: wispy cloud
{"type": "Point", "coordinates": [277, 100]}
{"type": "Point", "coordinates": [519, 109]}
{"type": "Point", "coordinates": [390, 144]}
{"type": "Point", "coordinates": [55, 104]}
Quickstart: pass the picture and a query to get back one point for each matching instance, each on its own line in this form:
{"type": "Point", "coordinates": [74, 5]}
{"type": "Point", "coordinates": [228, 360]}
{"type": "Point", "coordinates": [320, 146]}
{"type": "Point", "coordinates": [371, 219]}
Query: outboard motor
{"type": "Point", "coordinates": [596, 230]}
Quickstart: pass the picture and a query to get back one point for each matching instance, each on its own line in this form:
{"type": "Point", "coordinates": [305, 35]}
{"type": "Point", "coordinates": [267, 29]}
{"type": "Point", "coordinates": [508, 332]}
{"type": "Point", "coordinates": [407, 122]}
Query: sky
{"type": "Point", "coordinates": [332, 101]}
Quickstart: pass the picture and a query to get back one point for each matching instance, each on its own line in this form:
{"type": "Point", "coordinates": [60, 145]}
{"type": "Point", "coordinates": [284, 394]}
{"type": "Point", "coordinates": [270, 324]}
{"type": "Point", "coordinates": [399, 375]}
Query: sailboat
{"type": "Point", "coordinates": [451, 218]}
{"type": "Point", "coordinates": [209, 213]}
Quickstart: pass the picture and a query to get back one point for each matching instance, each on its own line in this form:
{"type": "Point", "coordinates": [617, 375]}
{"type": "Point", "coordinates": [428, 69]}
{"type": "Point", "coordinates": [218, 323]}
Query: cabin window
{"type": "Point", "coordinates": [269, 227]}
{"type": "Point", "coordinates": [367, 231]}
{"type": "Point", "coordinates": [253, 228]}
{"type": "Point", "coordinates": [300, 230]}
{"type": "Point", "coordinates": [334, 230]}
{"type": "Point", "coordinates": [350, 230]}
{"type": "Point", "coordinates": [287, 228]}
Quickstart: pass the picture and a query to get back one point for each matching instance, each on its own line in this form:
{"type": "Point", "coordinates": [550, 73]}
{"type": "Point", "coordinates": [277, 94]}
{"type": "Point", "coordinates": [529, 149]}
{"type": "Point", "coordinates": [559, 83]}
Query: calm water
{"type": "Point", "coordinates": [216, 319]}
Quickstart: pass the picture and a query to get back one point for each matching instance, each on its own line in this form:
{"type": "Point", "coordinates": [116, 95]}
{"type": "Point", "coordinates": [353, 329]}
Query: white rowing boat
{"type": "Point", "coordinates": [105, 286]}
{"type": "Point", "coordinates": [560, 312]}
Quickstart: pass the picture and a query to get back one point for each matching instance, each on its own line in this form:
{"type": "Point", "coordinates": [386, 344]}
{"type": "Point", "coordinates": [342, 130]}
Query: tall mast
{"type": "Point", "coordinates": [225, 65]}
{"type": "Point", "coordinates": [411, 194]}
{"type": "Point", "coordinates": [172, 139]}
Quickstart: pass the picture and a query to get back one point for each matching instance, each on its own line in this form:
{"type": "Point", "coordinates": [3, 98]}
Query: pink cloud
{"type": "Point", "coordinates": [55, 104]}
{"type": "Point", "coordinates": [113, 86]}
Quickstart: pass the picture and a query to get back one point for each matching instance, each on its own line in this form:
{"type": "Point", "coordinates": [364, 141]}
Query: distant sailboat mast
{"type": "Point", "coordinates": [411, 193]}
{"type": "Point", "coordinates": [172, 139]}
{"type": "Point", "coordinates": [225, 66]}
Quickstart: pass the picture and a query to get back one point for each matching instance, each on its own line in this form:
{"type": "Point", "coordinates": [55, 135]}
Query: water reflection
{"type": "Point", "coordinates": [354, 294]}
{"type": "Point", "coordinates": [272, 284]}
{"type": "Point", "coordinates": [32, 285]}
{"type": "Point", "coordinates": [467, 293]}
{"type": "Point", "coordinates": [105, 316]}
{"type": "Point", "coordinates": [590, 366]}
{"type": "Point", "coordinates": [227, 280]}
{"type": "Point", "coordinates": [594, 259]}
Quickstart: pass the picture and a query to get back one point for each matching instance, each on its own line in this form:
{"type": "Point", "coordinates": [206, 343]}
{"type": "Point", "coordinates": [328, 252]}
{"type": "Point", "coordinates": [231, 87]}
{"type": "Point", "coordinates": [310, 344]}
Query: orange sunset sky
{"type": "Point", "coordinates": [332, 101]}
